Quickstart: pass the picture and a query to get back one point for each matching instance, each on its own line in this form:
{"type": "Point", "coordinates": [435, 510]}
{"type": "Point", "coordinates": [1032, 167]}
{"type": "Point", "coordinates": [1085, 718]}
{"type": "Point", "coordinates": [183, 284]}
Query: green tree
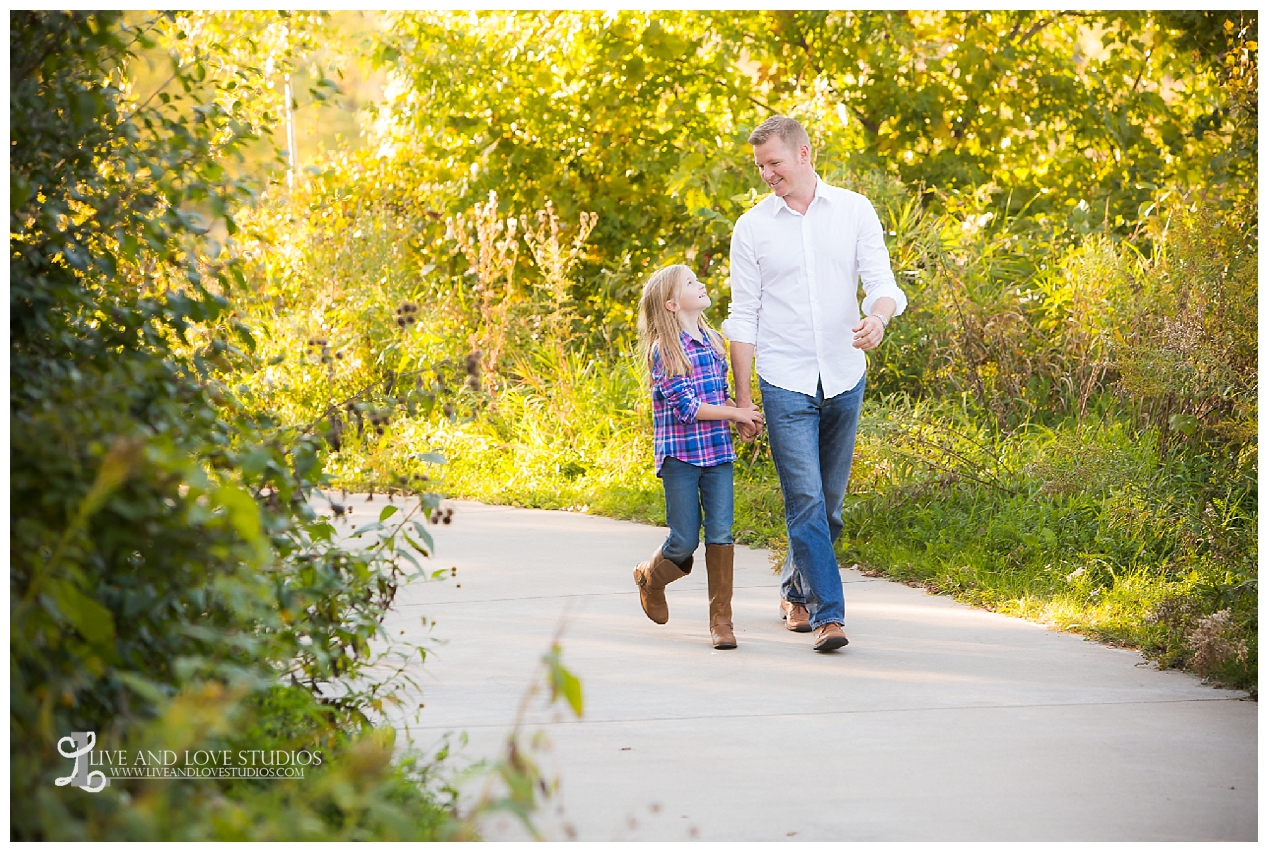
{"type": "Point", "coordinates": [1080, 120]}
{"type": "Point", "coordinates": [167, 574]}
{"type": "Point", "coordinates": [1056, 111]}
{"type": "Point", "coordinates": [632, 116]}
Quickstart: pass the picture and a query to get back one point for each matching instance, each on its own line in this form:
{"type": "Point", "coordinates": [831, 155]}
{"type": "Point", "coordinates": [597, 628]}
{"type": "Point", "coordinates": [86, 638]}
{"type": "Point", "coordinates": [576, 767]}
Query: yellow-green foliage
{"type": "Point", "coordinates": [169, 581]}
{"type": "Point", "coordinates": [569, 431]}
{"type": "Point", "coordinates": [1062, 425]}
{"type": "Point", "coordinates": [1012, 452]}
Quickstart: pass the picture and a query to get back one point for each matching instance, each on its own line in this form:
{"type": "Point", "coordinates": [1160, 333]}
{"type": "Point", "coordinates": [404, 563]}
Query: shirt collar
{"type": "Point", "coordinates": [820, 195]}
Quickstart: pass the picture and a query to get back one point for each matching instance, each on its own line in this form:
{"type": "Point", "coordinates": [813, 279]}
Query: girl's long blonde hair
{"type": "Point", "coordinates": [658, 329]}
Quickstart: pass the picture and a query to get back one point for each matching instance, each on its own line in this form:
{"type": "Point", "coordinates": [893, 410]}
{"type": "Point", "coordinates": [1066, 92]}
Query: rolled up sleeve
{"type": "Point", "coordinates": [873, 265]}
{"type": "Point", "coordinates": [746, 287]}
{"type": "Point", "coordinates": [678, 392]}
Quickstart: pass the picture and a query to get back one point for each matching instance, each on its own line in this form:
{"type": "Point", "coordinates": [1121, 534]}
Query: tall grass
{"type": "Point", "coordinates": [1060, 428]}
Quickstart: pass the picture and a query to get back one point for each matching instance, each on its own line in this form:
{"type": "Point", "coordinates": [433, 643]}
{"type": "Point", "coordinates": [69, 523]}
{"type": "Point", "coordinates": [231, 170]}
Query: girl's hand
{"type": "Point", "coordinates": [747, 417]}
{"type": "Point", "coordinates": [750, 415]}
{"type": "Point", "coordinates": [745, 431]}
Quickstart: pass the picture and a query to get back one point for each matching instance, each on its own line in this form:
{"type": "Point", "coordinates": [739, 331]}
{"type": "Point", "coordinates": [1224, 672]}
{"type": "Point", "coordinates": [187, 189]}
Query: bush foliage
{"type": "Point", "coordinates": [169, 583]}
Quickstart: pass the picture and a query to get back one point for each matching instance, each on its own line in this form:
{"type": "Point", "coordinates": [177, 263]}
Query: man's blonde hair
{"type": "Point", "coordinates": [787, 129]}
{"type": "Point", "coordinates": [658, 330]}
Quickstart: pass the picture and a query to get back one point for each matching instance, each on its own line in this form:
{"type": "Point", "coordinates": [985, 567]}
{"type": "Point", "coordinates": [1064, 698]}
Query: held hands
{"type": "Point", "coordinates": [748, 419]}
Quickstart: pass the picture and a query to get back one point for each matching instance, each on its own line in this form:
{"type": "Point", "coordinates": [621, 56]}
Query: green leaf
{"type": "Point", "coordinates": [91, 619]}
{"type": "Point", "coordinates": [367, 528]}
{"type": "Point", "coordinates": [388, 511]}
{"type": "Point", "coordinates": [115, 468]}
{"type": "Point", "coordinates": [405, 554]}
{"type": "Point", "coordinates": [255, 463]}
{"type": "Point", "coordinates": [563, 682]}
{"type": "Point", "coordinates": [242, 511]}
{"type": "Point", "coordinates": [414, 544]}
{"type": "Point", "coordinates": [142, 686]}
{"type": "Point", "coordinates": [244, 334]}
{"type": "Point", "coordinates": [321, 531]}
{"type": "Point", "coordinates": [19, 191]}
{"type": "Point", "coordinates": [425, 536]}
{"type": "Point", "coordinates": [1185, 424]}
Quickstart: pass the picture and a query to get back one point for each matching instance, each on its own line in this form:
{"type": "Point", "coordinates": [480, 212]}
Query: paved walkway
{"type": "Point", "coordinates": [937, 722]}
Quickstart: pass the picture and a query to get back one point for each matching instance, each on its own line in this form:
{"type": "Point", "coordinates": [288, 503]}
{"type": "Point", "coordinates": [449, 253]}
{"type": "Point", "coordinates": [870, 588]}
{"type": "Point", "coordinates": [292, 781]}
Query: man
{"type": "Point", "coordinates": [796, 261]}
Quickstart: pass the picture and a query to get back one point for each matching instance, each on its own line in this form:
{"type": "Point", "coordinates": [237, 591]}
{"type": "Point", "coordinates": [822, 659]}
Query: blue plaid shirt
{"type": "Point", "coordinates": [675, 401]}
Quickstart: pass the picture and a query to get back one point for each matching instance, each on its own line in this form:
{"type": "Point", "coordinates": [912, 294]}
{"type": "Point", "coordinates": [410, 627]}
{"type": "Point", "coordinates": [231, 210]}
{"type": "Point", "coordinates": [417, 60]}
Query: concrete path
{"type": "Point", "coordinates": [937, 722]}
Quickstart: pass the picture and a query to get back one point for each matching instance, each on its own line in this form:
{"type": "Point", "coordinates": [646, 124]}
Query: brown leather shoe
{"type": "Point", "coordinates": [719, 559]}
{"type": "Point", "coordinates": [829, 637]}
{"type": "Point", "coordinates": [797, 616]}
{"type": "Point", "coordinates": [652, 576]}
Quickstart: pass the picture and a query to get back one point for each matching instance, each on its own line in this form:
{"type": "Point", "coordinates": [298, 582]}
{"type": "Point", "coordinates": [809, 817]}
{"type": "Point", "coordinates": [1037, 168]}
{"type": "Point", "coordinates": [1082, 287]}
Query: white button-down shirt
{"type": "Point", "coordinates": [795, 287]}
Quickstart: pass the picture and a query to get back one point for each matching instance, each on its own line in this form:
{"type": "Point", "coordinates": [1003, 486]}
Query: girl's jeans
{"type": "Point", "coordinates": [689, 492]}
{"type": "Point", "coordinates": [812, 443]}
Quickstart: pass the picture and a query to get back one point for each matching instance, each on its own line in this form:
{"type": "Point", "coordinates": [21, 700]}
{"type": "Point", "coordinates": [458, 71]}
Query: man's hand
{"type": "Point", "coordinates": [748, 432]}
{"type": "Point", "coordinates": [750, 426]}
{"type": "Point", "coordinates": [869, 333]}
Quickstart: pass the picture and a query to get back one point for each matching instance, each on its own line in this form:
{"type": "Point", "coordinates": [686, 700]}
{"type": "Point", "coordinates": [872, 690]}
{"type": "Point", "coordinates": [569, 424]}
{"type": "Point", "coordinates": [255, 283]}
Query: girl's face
{"type": "Point", "coordinates": [691, 296]}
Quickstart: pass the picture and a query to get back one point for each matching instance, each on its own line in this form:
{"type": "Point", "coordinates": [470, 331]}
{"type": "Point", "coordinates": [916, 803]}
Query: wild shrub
{"type": "Point", "coordinates": [1188, 357]}
{"type": "Point", "coordinates": [168, 581]}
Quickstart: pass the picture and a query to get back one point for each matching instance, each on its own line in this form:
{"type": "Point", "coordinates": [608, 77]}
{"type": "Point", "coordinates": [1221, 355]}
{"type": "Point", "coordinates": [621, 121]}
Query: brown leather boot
{"type": "Point", "coordinates": [797, 616]}
{"type": "Point", "coordinates": [719, 559]}
{"type": "Point", "coordinates": [829, 637]}
{"type": "Point", "coordinates": [652, 576]}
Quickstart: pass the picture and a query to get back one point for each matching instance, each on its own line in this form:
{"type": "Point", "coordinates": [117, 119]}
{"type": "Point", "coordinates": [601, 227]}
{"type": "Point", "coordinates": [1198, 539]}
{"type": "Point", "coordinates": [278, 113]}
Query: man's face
{"type": "Point", "coordinates": [785, 171]}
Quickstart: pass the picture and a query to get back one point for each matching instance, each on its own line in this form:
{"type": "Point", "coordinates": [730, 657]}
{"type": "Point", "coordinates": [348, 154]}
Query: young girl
{"type": "Point", "coordinates": [692, 439]}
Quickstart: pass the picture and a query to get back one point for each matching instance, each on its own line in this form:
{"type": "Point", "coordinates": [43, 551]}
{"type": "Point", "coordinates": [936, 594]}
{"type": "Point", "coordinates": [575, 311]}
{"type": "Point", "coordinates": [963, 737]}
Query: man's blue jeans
{"type": "Point", "coordinates": [812, 443]}
{"type": "Point", "coordinates": [689, 492]}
